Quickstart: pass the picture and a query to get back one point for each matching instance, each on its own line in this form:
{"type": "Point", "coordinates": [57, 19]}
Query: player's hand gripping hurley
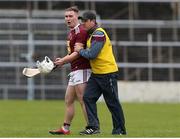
{"type": "Point", "coordinates": [44, 67]}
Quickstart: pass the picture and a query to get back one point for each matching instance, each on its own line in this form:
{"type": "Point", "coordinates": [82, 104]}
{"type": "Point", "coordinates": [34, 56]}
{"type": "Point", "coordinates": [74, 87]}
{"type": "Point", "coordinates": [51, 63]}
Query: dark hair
{"type": "Point", "coordinates": [88, 15]}
{"type": "Point", "coordinates": [73, 8]}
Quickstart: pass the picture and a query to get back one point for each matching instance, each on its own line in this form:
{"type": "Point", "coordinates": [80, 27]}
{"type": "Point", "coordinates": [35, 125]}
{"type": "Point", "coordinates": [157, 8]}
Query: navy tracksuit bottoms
{"type": "Point", "coordinates": [105, 84]}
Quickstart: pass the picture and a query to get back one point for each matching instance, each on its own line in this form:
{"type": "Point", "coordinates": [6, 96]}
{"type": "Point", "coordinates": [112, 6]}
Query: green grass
{"type": "Point", "coordinates": [35, 118]}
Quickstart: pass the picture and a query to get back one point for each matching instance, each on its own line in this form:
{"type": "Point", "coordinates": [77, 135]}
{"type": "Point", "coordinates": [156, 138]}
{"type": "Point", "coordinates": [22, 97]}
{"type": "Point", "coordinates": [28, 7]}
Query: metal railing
{"type": "Point", "coordinates": [55, 18]}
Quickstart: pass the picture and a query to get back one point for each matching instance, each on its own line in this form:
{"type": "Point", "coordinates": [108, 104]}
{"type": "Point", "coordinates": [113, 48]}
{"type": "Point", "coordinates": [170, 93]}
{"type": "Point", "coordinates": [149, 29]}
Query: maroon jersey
{"type": "Point", "coordinates": [77, 35]}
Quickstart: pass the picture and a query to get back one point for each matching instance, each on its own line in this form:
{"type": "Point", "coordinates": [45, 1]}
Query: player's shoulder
{"type": "Point", "coordinates": [80, 29]}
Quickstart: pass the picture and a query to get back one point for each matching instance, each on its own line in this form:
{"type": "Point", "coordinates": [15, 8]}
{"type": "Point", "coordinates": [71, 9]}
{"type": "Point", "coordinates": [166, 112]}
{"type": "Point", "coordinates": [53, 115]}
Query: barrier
{"type": "Point", "coordinates": [149, 91]}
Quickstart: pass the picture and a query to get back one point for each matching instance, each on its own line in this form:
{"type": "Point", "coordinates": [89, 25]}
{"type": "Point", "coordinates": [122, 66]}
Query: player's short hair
{"type": "Point", "coordinates": [73, 8]}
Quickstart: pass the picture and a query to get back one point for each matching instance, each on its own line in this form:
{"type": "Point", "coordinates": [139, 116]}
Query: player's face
{"type": "Point", "coordinates": [71, 19]}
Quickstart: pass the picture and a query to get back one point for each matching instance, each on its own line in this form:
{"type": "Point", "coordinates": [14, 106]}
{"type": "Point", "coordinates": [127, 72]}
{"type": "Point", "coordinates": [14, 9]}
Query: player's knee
{"type": "Point", "coordinates": [68, 102]}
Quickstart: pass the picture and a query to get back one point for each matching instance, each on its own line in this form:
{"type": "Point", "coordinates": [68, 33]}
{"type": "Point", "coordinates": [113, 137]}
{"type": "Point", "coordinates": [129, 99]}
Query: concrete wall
{"type": "Point", "coordinates": [149, 91]}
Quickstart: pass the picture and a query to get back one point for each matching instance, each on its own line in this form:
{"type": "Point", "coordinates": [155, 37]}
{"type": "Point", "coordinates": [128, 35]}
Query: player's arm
{"type": "Point", "coordinates": [68, 58]}
{"type": "Point", "coordinates": [97, 44]}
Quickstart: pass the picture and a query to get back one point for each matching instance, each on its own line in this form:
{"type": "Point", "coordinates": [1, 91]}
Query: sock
{"type": "Point", "coordinates": [66, 126]}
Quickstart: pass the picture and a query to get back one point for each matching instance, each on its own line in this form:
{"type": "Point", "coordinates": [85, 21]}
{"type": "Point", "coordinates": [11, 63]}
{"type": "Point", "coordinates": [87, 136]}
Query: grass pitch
{"type": "Point", "coordinates": [34, 119]}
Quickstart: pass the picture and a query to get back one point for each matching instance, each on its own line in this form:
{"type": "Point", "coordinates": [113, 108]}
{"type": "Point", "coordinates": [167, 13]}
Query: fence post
{"type": "Point", "coordinates": [30, 95]}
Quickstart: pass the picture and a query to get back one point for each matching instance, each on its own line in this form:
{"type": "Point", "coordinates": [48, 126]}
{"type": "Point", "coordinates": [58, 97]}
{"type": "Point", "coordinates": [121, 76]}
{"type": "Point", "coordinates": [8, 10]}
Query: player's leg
{"type": "Point", "coordinates": [69, 112]}
{"type": "Point", "coordinates": [80, 79]}
{"type": "Point", "coordinates": [80, 88]}
{"type": "Point", "coordinates": [70, 97]}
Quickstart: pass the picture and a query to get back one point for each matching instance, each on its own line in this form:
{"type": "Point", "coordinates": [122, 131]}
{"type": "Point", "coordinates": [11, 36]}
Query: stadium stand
{"type": "Point", "coordinates": [145, 36]}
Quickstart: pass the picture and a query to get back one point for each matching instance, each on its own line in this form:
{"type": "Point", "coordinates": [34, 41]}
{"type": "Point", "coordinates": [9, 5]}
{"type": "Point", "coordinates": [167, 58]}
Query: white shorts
{"type": "Point", "coordinates": [79, 76]}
